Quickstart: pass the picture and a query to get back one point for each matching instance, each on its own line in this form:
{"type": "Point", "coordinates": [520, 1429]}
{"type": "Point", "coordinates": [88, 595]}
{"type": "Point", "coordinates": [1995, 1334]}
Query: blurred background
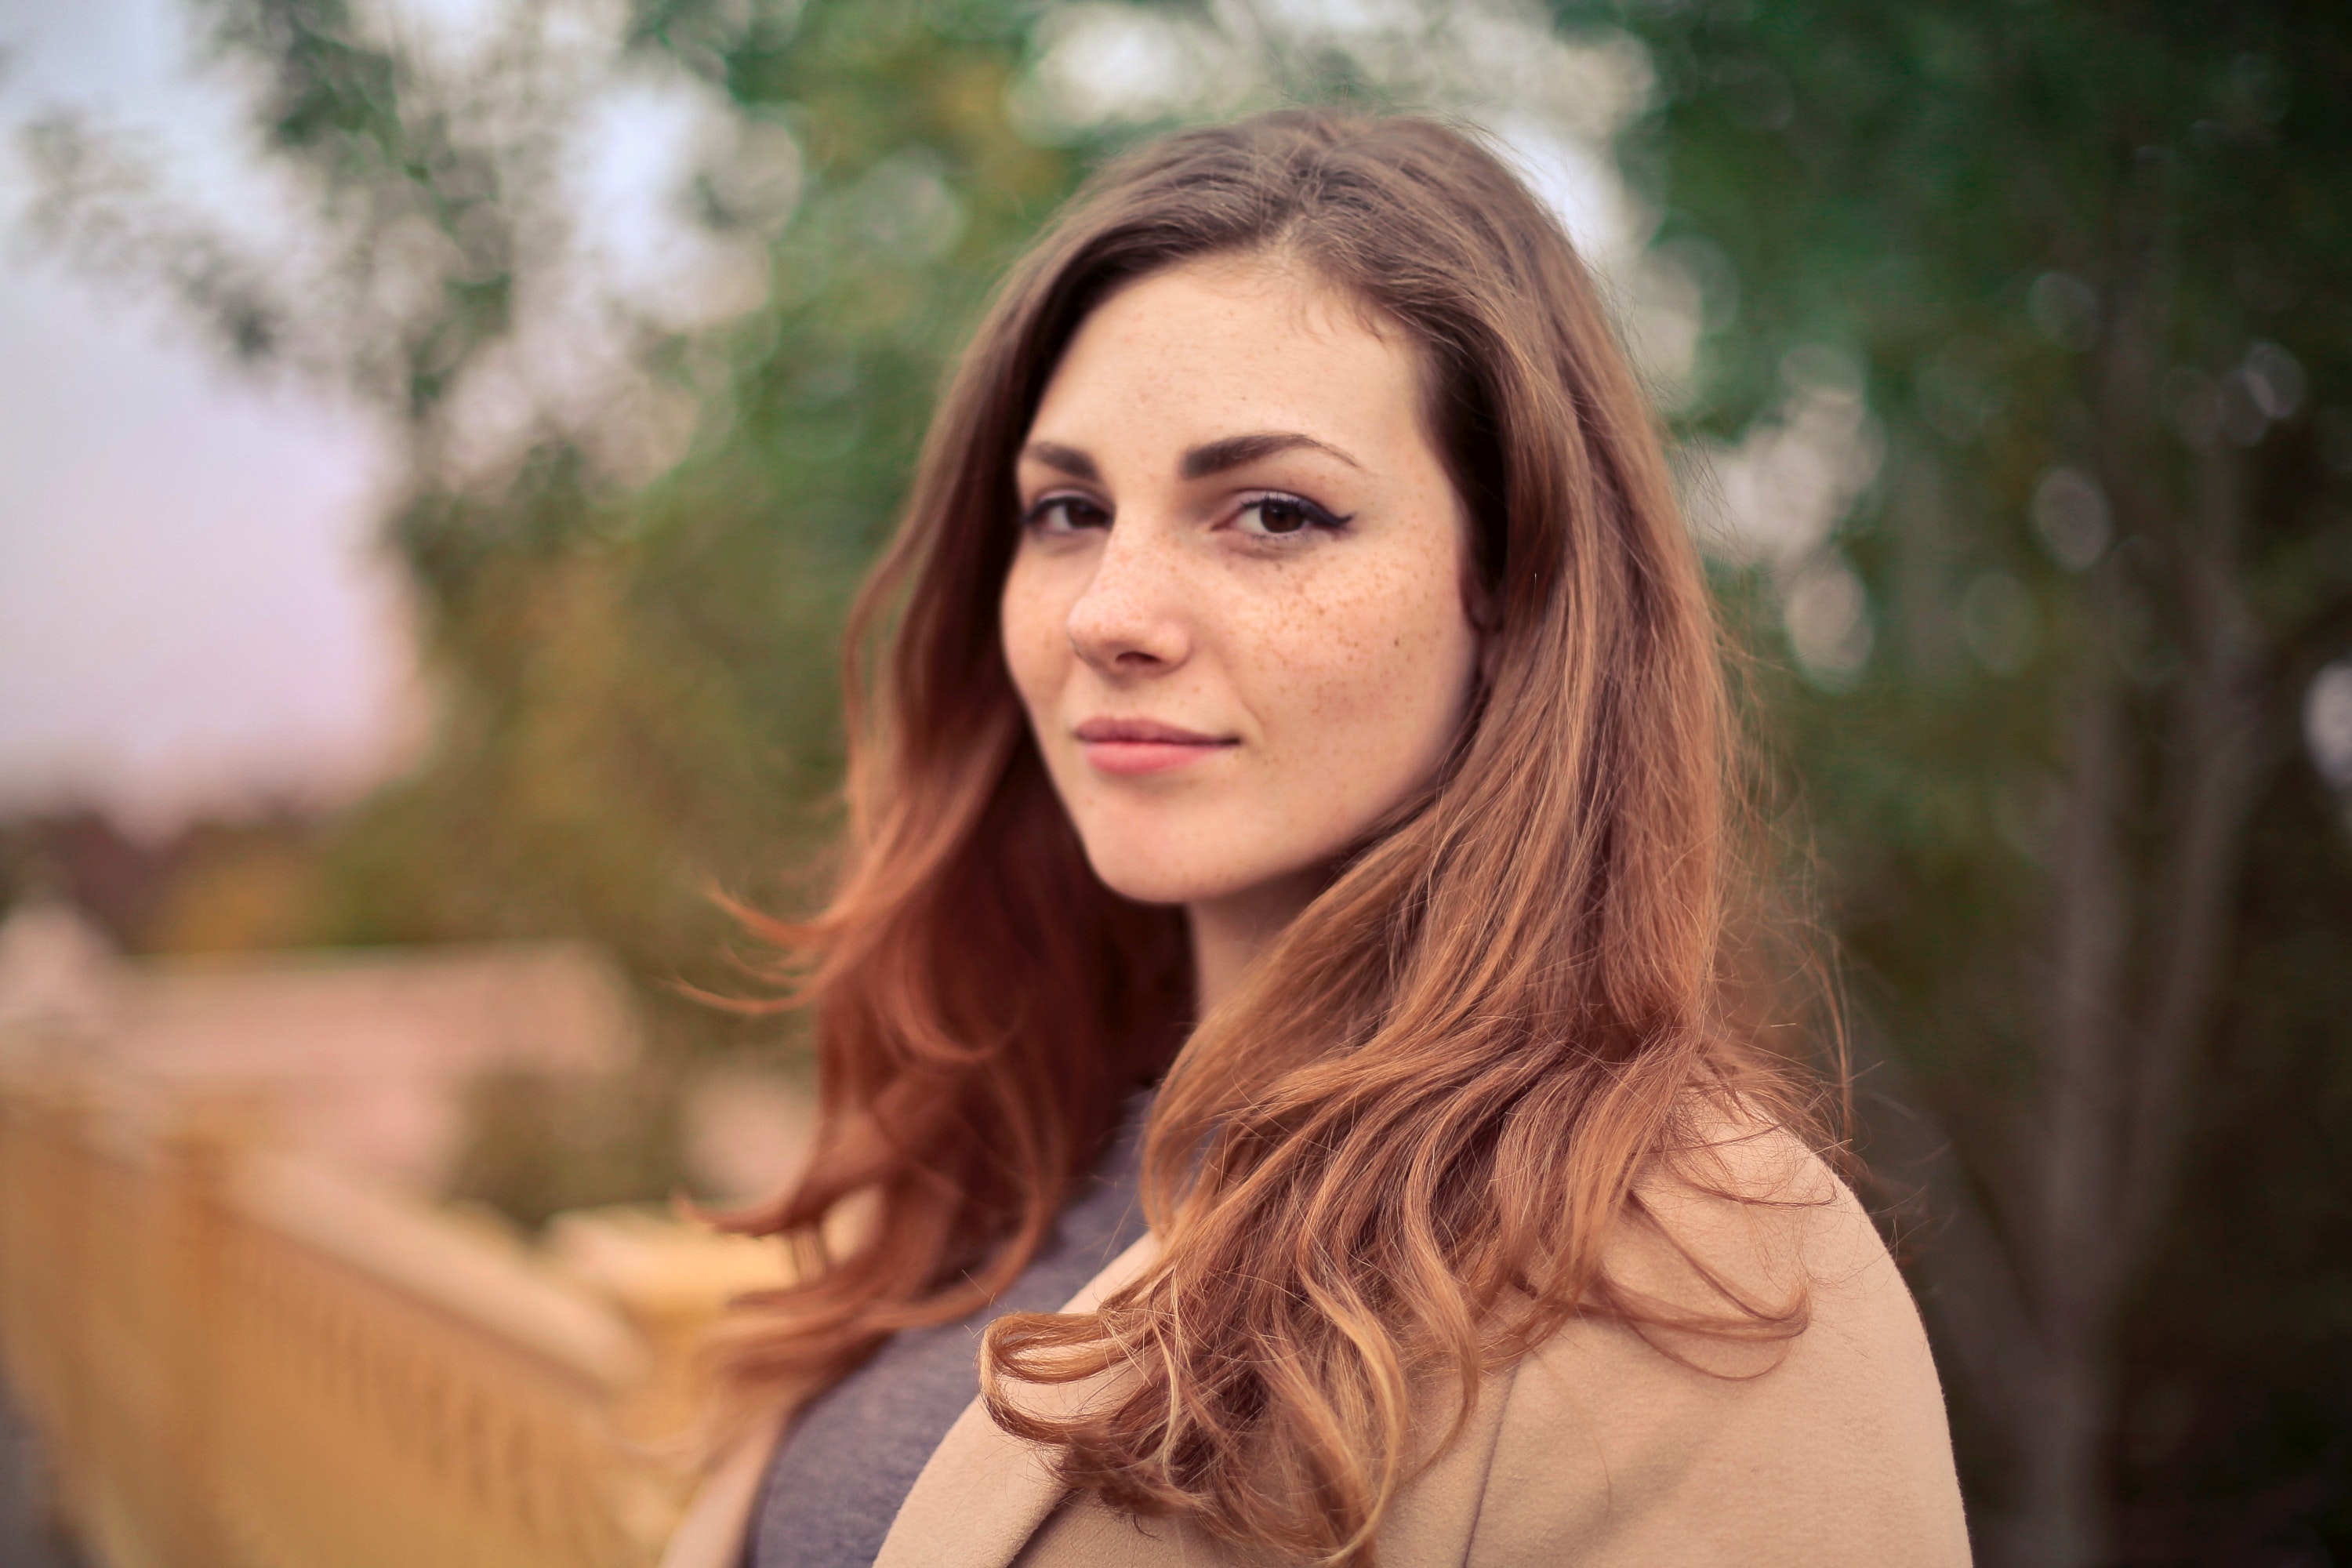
{"type": "Point", "coordinates": [438, 438]}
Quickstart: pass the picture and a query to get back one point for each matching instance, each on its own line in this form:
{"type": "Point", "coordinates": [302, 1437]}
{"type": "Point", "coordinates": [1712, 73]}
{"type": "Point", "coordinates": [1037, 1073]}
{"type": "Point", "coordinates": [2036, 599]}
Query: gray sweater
{"type": "Point", "coordinates": [841, 1472]}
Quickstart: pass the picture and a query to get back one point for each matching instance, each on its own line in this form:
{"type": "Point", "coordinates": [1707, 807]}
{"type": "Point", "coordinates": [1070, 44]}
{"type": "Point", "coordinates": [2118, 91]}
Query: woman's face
{"type": "Point", "coordinates": [1235, 615]}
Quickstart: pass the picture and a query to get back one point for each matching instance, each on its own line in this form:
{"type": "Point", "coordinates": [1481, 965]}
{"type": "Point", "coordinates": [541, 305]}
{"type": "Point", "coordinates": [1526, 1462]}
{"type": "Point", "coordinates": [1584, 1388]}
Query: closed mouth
{"type": "Point", "coordinates": [1127, 747]}
{"type": "Point", "coordinates": [1145, 731]}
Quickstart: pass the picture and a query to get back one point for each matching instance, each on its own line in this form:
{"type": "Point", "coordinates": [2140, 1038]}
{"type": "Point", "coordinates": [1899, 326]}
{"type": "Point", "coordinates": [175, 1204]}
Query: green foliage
{"type": "Point", "coordinates": [540, 1146]}
{"type": "Point", "coordinates": [1920, 187]}
{"type": "Point", "coordinates": [639, 683]}
{"type": "Point", "coordinates": [2095, 264]}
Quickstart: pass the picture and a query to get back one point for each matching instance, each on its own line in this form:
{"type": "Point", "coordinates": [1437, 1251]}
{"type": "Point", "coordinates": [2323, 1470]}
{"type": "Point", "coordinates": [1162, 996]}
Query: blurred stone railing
{"type": "Point", "coordinates": [235, 1360]}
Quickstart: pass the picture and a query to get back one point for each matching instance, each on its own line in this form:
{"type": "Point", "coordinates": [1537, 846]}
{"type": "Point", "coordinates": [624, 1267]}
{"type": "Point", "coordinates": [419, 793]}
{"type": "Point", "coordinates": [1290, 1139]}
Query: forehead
{"type": "Point", "coordinates": [1226, 344]}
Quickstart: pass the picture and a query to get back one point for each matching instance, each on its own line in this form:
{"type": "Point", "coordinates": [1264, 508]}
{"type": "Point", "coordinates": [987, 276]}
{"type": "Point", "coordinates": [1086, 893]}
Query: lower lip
{"type": "Point", "coordinates": [1132, 759]}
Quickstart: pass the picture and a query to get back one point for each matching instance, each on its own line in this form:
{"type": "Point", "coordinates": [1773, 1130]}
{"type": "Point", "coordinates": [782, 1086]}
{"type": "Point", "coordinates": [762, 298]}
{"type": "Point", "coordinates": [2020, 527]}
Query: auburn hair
{"type": "Point", "coordinates": [1393, 1158]}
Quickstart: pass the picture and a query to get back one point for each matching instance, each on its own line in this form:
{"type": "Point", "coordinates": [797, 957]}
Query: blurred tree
{"type": "Point", "coordinates": [637, 499]}
{"type": "Point", "coordinates": [209, 887]}
{"type": "Point", "coordinates": [2088, 265]}
{"type": "Point", "coordinates": [238, 888]}
{"type": "Point", "coordinates": [637, 674]}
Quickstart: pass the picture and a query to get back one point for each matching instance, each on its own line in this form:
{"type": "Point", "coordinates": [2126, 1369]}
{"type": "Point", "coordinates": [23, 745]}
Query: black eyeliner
{"type": "Point", "coordinates": [1318, 515]}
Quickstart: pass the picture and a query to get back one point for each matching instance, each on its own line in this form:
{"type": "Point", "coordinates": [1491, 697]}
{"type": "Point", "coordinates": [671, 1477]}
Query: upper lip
{"type": "Point", "coordinates": [1146, 729]}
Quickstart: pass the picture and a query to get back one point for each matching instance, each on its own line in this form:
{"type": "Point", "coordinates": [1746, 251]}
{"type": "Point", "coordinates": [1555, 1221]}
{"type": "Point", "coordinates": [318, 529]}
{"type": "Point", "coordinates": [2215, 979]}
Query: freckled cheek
{"type": "Point", "coordinates": [1035, 639]}
{"type": "Point", "coordinates": [1371, 682]}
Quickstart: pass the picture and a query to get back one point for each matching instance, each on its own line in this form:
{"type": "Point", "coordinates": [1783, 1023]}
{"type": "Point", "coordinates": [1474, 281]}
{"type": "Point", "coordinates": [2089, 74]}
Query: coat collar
{"type": "Point", "coordinates": [984, 1492]}
{"type": "Point", "coordinates": [712, 1532]}
{"type": "Point", "coordinates": [977, 1501]}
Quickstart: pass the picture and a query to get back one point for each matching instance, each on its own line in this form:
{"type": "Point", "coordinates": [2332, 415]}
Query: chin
{"type": "Point", "coordinates": [1154, 884]}
{"type": "Point", "coordinates": [1156, 876]}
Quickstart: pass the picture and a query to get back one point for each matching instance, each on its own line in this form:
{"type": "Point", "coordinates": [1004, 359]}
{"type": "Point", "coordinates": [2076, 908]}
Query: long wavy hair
{"type": "Point", "coordinates": [1394, 1157]}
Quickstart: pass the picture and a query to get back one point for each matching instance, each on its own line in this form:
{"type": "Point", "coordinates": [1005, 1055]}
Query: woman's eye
{"type": "Point", "coordinates": [1064, 514]}
{"type": "Point", "coordinates": [1274, 516]}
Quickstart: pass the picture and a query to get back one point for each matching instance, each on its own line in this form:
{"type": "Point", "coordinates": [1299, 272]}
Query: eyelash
{"type": "Point", "coordinates": [1315, 516]}
{"type": "Point", "coordinates": [1044, 506]}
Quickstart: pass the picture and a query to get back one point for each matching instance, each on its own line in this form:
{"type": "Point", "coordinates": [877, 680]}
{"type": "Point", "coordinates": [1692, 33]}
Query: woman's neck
{"type": "Point", "coordinates": [1229, 933]}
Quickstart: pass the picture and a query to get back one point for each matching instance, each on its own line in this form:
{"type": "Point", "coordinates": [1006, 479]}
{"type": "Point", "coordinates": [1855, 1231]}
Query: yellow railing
{"type": "Point", "coordinates": [235, 1359]}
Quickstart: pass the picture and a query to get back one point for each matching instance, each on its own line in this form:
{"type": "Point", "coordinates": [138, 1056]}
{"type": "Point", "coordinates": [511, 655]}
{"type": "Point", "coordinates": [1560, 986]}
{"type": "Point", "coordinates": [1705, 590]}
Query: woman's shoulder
{"type": "Point", "coordinates": [1738, 1218]}
{"type": "Point", "coordinates": [1762, 1395]}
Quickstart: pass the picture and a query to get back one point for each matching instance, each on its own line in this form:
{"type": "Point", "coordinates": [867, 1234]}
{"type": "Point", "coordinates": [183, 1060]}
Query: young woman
{"type": "Point", "coordinates": [1277, 1023]}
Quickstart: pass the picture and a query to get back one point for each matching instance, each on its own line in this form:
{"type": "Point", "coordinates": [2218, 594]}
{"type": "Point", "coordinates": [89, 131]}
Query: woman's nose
{"type": "Point", "coordinates": [1129, 621]}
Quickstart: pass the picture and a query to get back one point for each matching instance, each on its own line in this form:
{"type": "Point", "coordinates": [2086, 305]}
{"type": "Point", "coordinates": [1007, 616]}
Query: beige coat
{"type": "Point", "coordinates": [1597, 1450]}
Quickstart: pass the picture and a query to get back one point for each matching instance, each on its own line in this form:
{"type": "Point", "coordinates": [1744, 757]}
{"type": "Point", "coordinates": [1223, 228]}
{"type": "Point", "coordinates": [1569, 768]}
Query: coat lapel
{"type": "Point", "coordinates": [984, 1492]}
{"type": "Point", "coordinates": [712, 1532]}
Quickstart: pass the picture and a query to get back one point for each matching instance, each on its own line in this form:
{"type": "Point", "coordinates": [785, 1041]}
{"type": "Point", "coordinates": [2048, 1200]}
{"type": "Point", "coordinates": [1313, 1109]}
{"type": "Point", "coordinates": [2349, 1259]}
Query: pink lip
{"type": "Point", "coordinates": [1127, 747]}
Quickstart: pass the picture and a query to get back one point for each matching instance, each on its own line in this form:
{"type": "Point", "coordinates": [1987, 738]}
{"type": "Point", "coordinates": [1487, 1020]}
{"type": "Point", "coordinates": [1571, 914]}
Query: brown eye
{"type": "Point", "coordinates": [1064, 514]}
{"type": "Point", "coordinates": [1283, 516]}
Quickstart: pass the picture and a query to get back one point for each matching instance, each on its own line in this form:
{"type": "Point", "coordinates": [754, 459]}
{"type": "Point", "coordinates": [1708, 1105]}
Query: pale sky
{"type": "Point", "coordinates": [191, 616]}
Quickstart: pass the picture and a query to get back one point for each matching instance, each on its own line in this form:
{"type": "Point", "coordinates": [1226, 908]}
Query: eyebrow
{"type": "Point", "coordinates": [1233, 452]}
{"type": "Point", "coordinates": [1066, 459]}
{"type": "Point", "coordinates": [1200, 462]}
